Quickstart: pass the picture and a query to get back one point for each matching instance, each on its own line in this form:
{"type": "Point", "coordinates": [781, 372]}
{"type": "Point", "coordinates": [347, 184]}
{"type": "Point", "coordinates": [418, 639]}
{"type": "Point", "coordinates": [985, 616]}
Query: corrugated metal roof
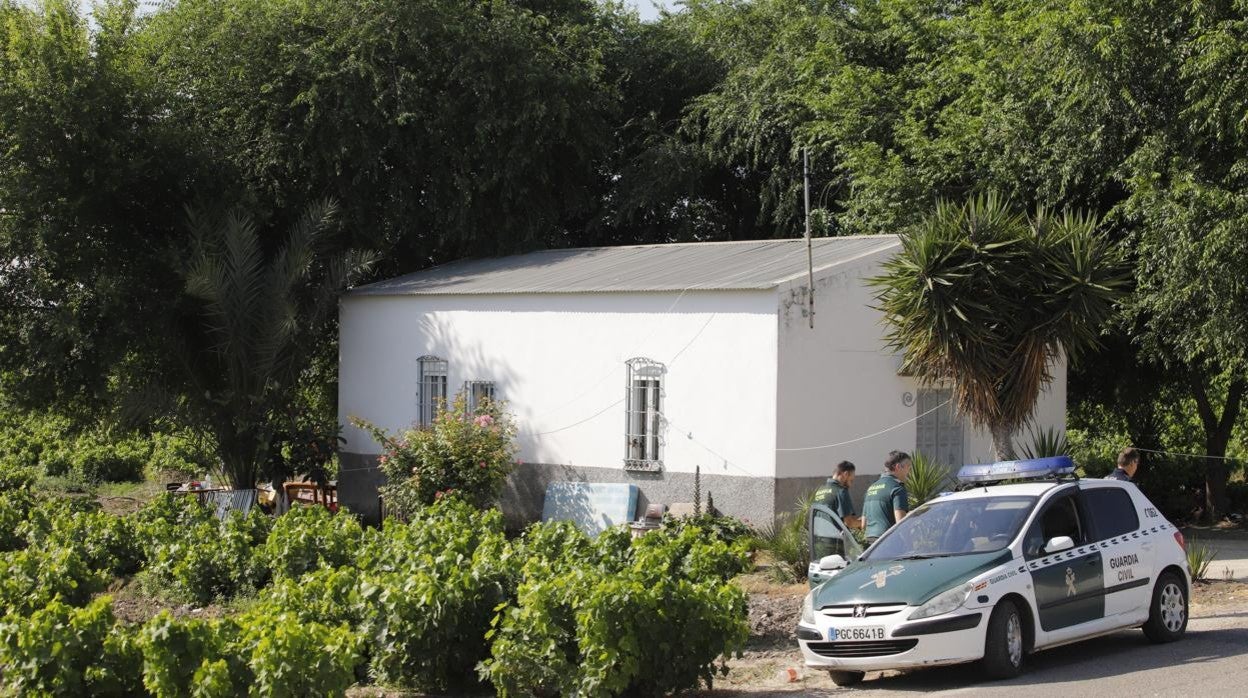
{"type": "Point", "coordinates": [694, 266]}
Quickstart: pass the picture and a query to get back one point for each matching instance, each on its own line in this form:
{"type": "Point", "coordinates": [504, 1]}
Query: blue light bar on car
{"type": "Point", "coordinates": [1031, 469]}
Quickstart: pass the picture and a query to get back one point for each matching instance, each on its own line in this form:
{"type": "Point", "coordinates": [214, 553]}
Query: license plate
{"type": "Point", "coordinates": [874, 632]}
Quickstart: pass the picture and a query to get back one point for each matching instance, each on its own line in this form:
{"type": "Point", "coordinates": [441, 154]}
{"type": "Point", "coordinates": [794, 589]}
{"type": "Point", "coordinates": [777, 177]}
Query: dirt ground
{"type": "Point", "coordinates": [772, 663]}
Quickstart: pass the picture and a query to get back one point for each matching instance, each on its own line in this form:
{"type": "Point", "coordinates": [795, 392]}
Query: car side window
{"type": "Point", "coordinates": [826, 537]}
{"type": "Point", "coordinates": [1112, 511]}
{"type": "Point", "coordinates": [1059, 518]}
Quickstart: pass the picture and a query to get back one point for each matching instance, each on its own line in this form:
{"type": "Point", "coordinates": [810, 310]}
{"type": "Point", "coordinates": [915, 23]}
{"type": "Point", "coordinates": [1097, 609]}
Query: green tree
{"type": "Point", "coordinates": [987, 299]}
{"type": "Point", "coordinates": [253, 318]}
{"type": "Point", "coordinates": [92, 182]}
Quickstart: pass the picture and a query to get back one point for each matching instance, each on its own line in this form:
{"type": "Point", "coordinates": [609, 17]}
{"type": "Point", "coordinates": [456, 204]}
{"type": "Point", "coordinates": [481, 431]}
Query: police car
{"type": "Point", "coordinates": [993, 572]}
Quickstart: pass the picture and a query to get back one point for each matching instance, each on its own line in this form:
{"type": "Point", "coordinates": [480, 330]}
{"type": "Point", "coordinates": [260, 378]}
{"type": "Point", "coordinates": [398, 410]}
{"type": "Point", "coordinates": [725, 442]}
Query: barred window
{"type": "Point", "coordinates": [432, 395]}
{"type": "Point", "coordinates": [644, 416]}
{"type": "Point", "coordinates": [479, 393]}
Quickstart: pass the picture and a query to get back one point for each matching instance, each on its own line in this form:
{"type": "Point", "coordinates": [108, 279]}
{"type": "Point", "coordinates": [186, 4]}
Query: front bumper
{"type": "Point", "coordinates": [953, 638]}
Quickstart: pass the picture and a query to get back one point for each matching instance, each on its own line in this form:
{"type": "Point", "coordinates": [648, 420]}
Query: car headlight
{"type": "Point", "coordinates": [808, 609]}
{"type": "Point", "coordinates": [944, 602]}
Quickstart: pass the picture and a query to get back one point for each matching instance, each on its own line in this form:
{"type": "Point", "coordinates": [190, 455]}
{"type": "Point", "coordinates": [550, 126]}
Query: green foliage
{"type": "Point", "coordinates": [287, 656]}
{"type": "Point", "coordinates": [1046, 443]}
{"type": "Point", "coordinates": [256, 312]}
{"type": "Point", "coordinates": [179, 655]}
{"type": "Point", "coordinates": [15, 477]}
{"type": "Point", "coordinates": [31, 579]}
{"type": "Point", "coordinates": [310, 538]}
{"type": "Point", "coordinates": [110, 462]}
{"type": "Point", "coordinates": [15, 507]}
{"type": "Point", "coordinates": [103, 541]}
{"type": "Point", "coordinates": [65, 651]}
{"type": "Point", "coordinates": [254, 653]}
{"type": "Point", "coordinates": [719, 527]}
{"type": "Point", "coordinates": [208, 560]}
{"type": "Point", "coordinates": [927, 479]}
{"type": "Point", "coordinates": [787, 542]}
{"type": "Point", "coordinates": [583, 624]}
{"type": "Point", "coordinates": [1199, 557]}
{"type": "Point", "coordinates": [430, 590]}
{"type": "Point", "coordinates": [466, 453]}
{"type": "Point", "coordinates": [986, 298]}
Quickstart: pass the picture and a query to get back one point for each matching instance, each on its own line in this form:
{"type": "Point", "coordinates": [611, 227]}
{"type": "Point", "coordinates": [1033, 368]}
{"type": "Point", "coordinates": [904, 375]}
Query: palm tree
{"type": "Point", "coordinates": [254, 321]}
{"type": "Point", "coordinates": [985, 299]}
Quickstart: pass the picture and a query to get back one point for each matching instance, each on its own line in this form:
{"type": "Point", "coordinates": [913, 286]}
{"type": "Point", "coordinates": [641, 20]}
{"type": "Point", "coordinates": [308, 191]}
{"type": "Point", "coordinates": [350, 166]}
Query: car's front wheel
{"type": "Point", "coordinates": [1167, 614]}
{"type": "Point", "coordinates": [1003, 646]}
{"type": "Point", "coordinates": [846, 678]}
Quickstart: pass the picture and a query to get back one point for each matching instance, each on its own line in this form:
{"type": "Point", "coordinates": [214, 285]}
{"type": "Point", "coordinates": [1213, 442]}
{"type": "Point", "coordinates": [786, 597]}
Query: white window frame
{"type": "Point", "coordinates": [643, 414]}
{"type": "Point", "coordinates": [486, 389]}
{"type": "Point", "coordinates": [432, 373]}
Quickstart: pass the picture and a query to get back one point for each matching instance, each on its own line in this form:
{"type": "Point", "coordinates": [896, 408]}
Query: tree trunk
{"type": "Point", "coordinates": [1002, 442]}
{"type": "Point", "coordinates": [1217, 435]}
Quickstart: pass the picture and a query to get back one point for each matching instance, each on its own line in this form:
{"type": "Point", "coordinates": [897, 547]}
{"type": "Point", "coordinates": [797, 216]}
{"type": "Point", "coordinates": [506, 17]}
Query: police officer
{"type": "Point", "coordinates": [835, 494]}
{"type": "Point", "coordinates": [887, 500]}
{"type": "Point", "coordinates": [1128, 463]}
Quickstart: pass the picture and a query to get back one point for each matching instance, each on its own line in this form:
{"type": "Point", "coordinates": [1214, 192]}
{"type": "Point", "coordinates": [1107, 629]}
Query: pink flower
{"type": "Point", "coordinates": [483, 465]}
{"type": "Point", "coordinates": [484, 420]}
{"type": "Point", "coordinates": [382, 460]}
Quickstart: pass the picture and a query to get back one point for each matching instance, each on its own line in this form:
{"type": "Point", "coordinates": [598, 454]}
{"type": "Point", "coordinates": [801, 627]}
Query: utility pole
{"type": "Point", "coordinates": [810, 255]}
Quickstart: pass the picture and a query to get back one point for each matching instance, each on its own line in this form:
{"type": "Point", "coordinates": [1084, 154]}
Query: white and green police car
{"type": "Point", "coordinates": [994, 572]}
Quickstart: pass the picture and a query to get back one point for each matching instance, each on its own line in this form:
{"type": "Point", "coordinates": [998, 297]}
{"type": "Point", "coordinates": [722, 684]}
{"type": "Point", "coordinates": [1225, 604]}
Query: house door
{"type": "Point", "coordinates": [939, 430]}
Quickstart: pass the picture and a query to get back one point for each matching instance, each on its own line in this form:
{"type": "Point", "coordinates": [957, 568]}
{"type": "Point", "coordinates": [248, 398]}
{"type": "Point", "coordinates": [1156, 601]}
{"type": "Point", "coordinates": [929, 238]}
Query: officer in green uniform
{"type": "Point", "coordinates": [835, 494]}
{"type": "Point", "coordinates": [887, 502]}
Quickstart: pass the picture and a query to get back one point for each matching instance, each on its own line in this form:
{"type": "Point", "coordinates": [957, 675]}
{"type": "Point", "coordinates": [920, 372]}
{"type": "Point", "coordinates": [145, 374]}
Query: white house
{"type": "Point", "coordinates": [638, 364]}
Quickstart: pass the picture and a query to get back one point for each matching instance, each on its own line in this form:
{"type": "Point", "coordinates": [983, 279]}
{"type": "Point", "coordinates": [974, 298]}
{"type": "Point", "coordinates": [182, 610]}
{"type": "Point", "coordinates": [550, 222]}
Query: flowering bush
{"type": "Point", "coordinates": [469, 453]}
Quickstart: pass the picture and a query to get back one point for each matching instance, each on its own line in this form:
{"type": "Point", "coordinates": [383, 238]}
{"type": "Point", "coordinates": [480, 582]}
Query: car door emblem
{"type": "Point", "coordinates": [881, 578]}
{"type": "Point", "coordinates": [860, 611]}
{"type": "Point", "coordinates": [1070, 582]}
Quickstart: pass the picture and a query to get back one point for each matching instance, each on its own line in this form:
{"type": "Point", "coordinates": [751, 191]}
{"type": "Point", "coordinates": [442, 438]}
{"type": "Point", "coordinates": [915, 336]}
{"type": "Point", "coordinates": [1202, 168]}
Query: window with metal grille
{"type": "Point", "coordinates": [479, 393]}
{"type": "Point", "coordinates": [432, 388]}
{"type": "Point", "coordinates": [644, 418]}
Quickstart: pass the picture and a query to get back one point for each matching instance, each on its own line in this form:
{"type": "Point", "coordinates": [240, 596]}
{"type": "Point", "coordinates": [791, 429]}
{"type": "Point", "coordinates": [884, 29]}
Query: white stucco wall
{"type": "Point", "coordinates": [838, 382]}
{"type": "Point", "coordinates": [558, 360]}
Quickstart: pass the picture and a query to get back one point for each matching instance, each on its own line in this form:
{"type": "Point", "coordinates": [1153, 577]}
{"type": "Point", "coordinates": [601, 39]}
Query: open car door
{"type": "Point", "coordinates": [828, 536]}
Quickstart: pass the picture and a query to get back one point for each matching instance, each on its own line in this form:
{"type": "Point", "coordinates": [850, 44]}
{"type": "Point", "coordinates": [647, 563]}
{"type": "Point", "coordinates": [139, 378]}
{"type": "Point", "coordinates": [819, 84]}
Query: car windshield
{"type": "Point", "coordinates": [954, 527]}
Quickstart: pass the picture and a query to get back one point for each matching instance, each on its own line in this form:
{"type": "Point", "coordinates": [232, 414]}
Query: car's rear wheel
{"type": "Point", "coordinates": [1167, 614]}
{"type": "Point", "coordinates": [846, 678]}
{"type": "Point", "coordinates": [1003, 646]}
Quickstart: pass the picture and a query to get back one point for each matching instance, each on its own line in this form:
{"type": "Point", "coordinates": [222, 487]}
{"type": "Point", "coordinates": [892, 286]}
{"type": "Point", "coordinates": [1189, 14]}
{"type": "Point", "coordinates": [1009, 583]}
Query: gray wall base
{"type": "Point", "coordinates": [758, 500]}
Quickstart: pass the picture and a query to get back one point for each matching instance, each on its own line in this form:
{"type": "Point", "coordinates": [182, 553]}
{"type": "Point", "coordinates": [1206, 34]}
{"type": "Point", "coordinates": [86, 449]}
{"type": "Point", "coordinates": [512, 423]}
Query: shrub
{"type": "Point", "coordinates": [180, 452]}
{"type": "Point", "coordinates": [120, 461]}
{"type": "Point", "coordinates": [103, 541]}
{"type": "Point", "coordinates": [255, 653]}
{"type": "Point", "coordinates": [286, 656]}
{"type": "Point", "coordinates": [208, 559]}
{"type": "Point", "coordinates": [1199, 558]}
{"type": "Point", "coordinates": [16, 477]}
{"type": "Point", "coordinates": [61, 650]}
{"type": "Point", "coordinates": [927, 479]}
{"type": "Point", "coordinates": [32, 578]}
{"type": "Point", "coordinates": [430, 588]}
{"type": "Point", "coordinates": [726, 528]}
{"type": "Point", "coordinates": [181, 654]}
{"type": "Point", "coordinates": [787, 543]}
{"type": "Point", "coordinates": [470, 454]}
{"type": "Point", "coordinates": [15, 507]}
{"type": "Point", "coordinates": [310, 538]}
{"type": "Point", "coordinates": [574, 630]}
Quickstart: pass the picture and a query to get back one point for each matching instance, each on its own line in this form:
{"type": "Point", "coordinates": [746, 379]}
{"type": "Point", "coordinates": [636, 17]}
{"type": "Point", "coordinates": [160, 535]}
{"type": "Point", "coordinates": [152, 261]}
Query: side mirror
{"type": "Point", "coordinates": [831, 563]}
{"type": "Point", "coordinates": [1058, 544]}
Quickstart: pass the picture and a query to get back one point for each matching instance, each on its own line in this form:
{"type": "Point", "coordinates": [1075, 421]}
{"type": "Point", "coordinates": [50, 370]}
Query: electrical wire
{"type": "Point", "coordinates": [1188, 455]}
{"type": "Point", "coordinates": [868, 436]}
